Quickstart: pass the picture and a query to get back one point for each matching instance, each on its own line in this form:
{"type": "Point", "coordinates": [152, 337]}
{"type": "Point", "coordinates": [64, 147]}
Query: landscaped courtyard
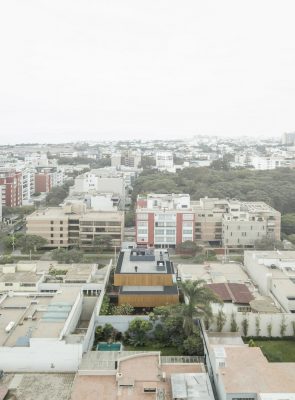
{"type": "Point", "coordinates": [277, 350]}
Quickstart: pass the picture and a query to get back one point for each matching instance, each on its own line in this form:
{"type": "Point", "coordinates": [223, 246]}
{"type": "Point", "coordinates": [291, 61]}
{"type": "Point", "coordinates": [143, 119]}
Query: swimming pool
{"type": "Point", "coordinates": [104, 346]}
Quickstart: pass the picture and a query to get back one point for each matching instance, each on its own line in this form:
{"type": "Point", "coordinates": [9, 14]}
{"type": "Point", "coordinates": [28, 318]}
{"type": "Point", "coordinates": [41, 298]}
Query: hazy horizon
{"type": "Point", "coordinates": [74, 70]}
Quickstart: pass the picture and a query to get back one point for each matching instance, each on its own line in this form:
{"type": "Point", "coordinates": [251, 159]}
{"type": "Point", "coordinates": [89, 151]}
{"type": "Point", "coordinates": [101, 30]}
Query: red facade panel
{"type": "Point", "coordinates": [179, 219]}
{"type": "Point", "coordinates": [151, 229]}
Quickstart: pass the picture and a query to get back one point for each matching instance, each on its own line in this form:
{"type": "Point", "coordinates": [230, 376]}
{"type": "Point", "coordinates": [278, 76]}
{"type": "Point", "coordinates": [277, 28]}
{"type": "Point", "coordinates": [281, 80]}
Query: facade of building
{"type": "Point", "coordinates": [42, 182]}
{"type": "Point", "coordinates": [11, 183]}
{"type": "Point", "coordinates": [73, 225]}
{"type": "Point", "coordinates": [233, 223]}
{"type": "Point", "coordinates": [164, 220]}
{"type": "Point", "coordinates": [145, 278]}
{"type": "Point", "coordinates": [164, 160]}
{"type": "Point", "coordinates": [101, 181]}
{"type": "Point", "coordinates": [126, 158]}
{"type": "Point", "coordinates": [288, 138]}
{"type": "Point", "coordinates": [28, 184]}
{"type": "Point", "coordinates": [247, 222]}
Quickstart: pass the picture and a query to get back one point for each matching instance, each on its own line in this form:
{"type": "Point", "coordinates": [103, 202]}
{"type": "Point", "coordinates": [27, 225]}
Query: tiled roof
{"type": "Point", "coordinates": [233, 292]}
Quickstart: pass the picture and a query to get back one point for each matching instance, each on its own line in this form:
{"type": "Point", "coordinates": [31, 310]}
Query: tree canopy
{"type": "Point", "coordinates": [275, 187]}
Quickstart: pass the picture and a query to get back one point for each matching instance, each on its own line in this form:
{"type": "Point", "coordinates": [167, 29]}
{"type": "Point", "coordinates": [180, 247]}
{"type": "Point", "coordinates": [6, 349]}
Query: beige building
{"type": "Point", "coordinates": [72, 225]}
{"type": "Point", "coordinates": [247, 222]}
{"type": "Point", "coordinates": [233, 223]}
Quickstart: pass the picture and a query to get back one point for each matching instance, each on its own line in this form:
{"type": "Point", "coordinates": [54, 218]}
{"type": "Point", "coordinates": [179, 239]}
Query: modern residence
{"type": "Point", "coordinates": [11, 184]}
{"type": "Point", "coordinates": [145, 278]}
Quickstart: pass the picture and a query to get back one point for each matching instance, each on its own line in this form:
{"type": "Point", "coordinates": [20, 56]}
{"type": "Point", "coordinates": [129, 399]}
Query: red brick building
{"type": "Point", "coordinates": [11, 183]}
{"type": "Point", "coordinates": [43, 182]}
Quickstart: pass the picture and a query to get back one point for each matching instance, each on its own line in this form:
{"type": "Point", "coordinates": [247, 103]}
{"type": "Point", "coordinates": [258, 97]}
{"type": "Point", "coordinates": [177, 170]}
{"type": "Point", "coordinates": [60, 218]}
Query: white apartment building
{"type": "Point", "coordinates": [28, 185]}
{"type": "Point", "coordinates": [164, 161]}
{"type": "Point", "coordinates": [102, 180]}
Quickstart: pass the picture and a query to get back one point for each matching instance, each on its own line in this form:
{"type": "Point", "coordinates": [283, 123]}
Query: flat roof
{"type": "Point", "coordinates": [143, 370]}
{"type": "Point", "coordinates": [213, 272]}
{"type": "Point", "coordinates": [144, 265]}
{"type": "Point", "coordinates": [244, 364]}
{"type": "Point", "coordinates": [21, 277]}
{"type": "Point", "coordinates": [35, 316]}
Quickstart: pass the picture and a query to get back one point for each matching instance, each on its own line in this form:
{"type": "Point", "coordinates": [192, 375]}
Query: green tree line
{"type": "Point", "coordinates": [275, 187]}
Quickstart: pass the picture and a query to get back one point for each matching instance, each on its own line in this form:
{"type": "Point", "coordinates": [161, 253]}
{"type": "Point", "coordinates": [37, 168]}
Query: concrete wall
{"type": "Point", "coordinates": [264, 319]}
{"type": "Point", "coordinates": [119, 322]}
{"type": "Point", "coordinates": [43, 355]}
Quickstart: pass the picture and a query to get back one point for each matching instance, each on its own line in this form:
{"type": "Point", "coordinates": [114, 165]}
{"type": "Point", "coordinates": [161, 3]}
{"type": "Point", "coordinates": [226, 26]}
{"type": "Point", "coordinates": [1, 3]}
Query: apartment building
{"type": "Point", "coordinates": [208, 219]}
{"type": "Point", "coordinates": [164, 161]}
{"type": "Point", "coordinates": [145, 278]}
{"type": "Point", "coordinates": [28, 184]}
{"type": "Point", "coordinates": [164, 220]}
{"type": "Point", "coordinates": [127, 158]}
{"type": "Point", "coordinates": [288, 138]}
{"type": "Point", "coordinates": [11, 183]}
{"type": "Point", "coordinates": [47, 178]}
{"type": "Point", "coordinates": [72, 224]}
{"type": "Point", "coordinates": [233, 223]}
{"type": "Point", "coordinates": [104, 180]}
{"type": "Point", "coordinates": [247, 222]}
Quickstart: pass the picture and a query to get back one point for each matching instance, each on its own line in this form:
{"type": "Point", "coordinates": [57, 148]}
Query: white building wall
{"type": "Point", "coordinates": [43, 355]}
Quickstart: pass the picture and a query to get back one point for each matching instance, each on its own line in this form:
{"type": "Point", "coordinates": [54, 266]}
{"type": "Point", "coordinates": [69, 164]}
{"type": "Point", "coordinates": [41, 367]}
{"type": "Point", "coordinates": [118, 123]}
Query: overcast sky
{"type": "Point", "coordinates": [120, 69]}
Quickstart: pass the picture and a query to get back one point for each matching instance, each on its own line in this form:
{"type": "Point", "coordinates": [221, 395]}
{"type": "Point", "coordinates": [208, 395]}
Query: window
{"type": "Point", "coordinates": [187, 231]}
{"type": "Point", "coordinates": [170, 231]}
{"type": "Point", "coordinates": [160, 231]}
{"type": "Point", "coordinates": [188, 217]}
{"type": "Point", "coordinates": [8, 284]}
{"type": "Point", "coordinates": [61, 229]}
{"type": "Point", "coordinates": [61, 242]}
{"type": "Point", "coordinates": [61, 222]}
{"type": "Point", "coordinates": [51, 222]}
{"type": "Point", "coordinates": [61, 235]}
{"type": "Point", "coordinates": [51, 235]}
{"type": "Point", "coordinates": [142, 231]}
{"type": "Point", "coordinates": [142, 223]}
{"type": "Point", "coordinates": [51, 229]}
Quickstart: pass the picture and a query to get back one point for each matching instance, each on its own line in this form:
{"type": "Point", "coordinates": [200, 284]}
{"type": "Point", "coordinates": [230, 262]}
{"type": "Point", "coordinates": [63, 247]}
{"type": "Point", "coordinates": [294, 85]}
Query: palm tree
{"type": "Point", "coordinates": [199, 299]}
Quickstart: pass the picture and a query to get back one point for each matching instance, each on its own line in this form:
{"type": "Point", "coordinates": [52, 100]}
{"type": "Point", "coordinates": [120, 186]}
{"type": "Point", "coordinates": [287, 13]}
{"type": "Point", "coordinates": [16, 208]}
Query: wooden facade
{"type": "Point", "coordinates": [148, 300]}
{"type": "Point", "coordinates": [143, 280]}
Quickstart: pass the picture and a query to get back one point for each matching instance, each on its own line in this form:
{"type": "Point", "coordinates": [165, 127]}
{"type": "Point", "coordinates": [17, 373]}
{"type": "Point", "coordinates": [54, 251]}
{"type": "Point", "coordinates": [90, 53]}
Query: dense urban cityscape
{"type": "Point", "coordinates": [148, 269]}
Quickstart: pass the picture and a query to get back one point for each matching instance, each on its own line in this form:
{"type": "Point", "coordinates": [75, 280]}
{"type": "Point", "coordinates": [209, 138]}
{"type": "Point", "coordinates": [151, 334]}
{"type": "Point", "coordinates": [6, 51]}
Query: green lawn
{"type": "Point", "coordinates": [277, 350]}
{"type": "Point", "coordinates": [165, 351]}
